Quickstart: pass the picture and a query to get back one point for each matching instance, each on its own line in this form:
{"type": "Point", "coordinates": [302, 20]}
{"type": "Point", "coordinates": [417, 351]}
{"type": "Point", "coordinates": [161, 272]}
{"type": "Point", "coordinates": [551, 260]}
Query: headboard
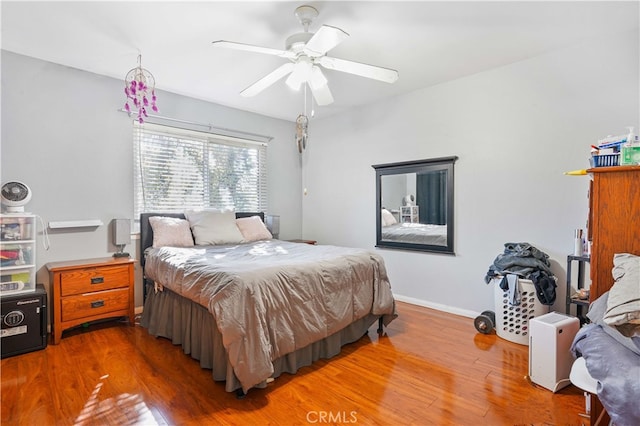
{"type": "Point", "coordinates": [146, 233]}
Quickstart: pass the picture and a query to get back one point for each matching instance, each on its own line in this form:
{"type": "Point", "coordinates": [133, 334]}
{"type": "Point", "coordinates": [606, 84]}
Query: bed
{"type": "Point", "coordinates": [250, 311]}
{"type": "Point", "coordinates": [416, 233]}
{"type": "Point", "coordinates": [610, 344]}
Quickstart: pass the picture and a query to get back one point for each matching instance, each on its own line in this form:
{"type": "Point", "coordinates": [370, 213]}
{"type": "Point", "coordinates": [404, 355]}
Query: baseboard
{"type": "Point", "coordinates": [436, 306]}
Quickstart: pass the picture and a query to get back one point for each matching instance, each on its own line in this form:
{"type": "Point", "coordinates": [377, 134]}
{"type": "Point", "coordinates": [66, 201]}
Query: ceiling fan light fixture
{"type": "Point", "coordinates": [300, 74]}
{"type": "Point", "coordinates": [322, 95]}
{"type": "Point", "coordinates": [317, 79]}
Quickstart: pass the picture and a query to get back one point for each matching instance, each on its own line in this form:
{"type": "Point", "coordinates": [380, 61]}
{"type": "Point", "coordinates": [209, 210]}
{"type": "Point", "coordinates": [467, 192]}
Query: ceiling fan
{"type": "Point", "coordinates": [306, 52]}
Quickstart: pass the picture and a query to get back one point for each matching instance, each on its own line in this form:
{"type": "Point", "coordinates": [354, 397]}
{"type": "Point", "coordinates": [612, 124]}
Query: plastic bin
{"type": "Point", "coordinates": [605, 160]}
{"type": "Point", "coordinates": [512, 321]}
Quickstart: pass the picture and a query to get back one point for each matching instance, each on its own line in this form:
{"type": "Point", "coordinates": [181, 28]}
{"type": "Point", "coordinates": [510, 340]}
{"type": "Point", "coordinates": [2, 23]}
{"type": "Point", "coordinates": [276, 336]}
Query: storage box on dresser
{"type": "Point", "coordinates": [89, 290]}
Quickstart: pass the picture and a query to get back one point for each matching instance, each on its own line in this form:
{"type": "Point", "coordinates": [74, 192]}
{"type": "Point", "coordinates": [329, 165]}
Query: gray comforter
{"type": "Point", "coordinates": [617, 370]}
{"type": "Point", "coordinates": [270, 298]}
{"type": "Point", "coordinates": [614, 361]}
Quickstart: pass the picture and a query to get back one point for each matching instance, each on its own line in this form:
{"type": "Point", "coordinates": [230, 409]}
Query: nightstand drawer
{"type": "Point", "coordinates": [95, 303]}
{"type": "Point", "coordinates": [81, 281]}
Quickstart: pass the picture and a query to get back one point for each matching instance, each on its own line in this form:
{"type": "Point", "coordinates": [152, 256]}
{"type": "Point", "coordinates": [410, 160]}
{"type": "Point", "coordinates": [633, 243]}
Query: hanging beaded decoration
{"type": "Point", "coordinates": [137, 85]}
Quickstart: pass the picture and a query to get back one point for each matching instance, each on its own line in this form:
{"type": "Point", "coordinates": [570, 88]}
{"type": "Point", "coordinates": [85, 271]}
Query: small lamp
{"type": "Point", "coordinates": [273, 224]}
{"type": "Point", "coordinates": [121, 236]}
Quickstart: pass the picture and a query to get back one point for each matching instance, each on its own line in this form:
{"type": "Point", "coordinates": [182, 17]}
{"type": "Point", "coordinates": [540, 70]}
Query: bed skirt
{"type": "Point", "coordinates": [186, 323]}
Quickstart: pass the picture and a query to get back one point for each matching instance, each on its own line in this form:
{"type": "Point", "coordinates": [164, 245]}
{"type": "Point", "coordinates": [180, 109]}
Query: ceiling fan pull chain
{"type": "Point", "coordinates": [311, 102]}
{"type": "Point", "coordinates": [305, 98]}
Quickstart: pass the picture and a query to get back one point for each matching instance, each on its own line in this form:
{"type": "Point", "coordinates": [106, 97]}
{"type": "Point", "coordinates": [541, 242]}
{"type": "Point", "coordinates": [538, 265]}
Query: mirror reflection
{"type": "Point", "coordinates": [415, 205]}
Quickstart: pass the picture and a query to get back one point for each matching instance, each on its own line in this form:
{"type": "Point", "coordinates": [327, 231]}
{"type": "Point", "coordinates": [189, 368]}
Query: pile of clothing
{"type": "Point", "coordinates": [522, 260]}
{"type": "Point", "coordinates": [11, 257]}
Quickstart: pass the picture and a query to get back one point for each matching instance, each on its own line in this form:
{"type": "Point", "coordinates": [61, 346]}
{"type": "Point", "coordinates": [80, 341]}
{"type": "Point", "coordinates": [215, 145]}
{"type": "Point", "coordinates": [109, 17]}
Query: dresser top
{"type": "Point", "coordinates": [87, 263]}
{"type": "Point", "coordinates": [614, 169]}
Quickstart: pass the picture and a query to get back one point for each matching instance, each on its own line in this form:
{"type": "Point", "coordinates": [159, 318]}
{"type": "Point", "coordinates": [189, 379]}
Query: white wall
{"type": "Point", "coordinates": [62, 135]}
{"type": "Point", "coordinates": [515, 129]}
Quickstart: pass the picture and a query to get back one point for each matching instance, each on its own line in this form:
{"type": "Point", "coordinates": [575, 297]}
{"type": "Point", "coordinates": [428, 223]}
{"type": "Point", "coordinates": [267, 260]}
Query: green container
{"type": "Point", "coordinates": [630, 155]}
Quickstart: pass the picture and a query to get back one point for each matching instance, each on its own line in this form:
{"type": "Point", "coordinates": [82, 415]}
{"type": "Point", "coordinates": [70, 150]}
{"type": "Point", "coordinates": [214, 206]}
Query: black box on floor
{"type": "Point", "coordinates": [23, 319]}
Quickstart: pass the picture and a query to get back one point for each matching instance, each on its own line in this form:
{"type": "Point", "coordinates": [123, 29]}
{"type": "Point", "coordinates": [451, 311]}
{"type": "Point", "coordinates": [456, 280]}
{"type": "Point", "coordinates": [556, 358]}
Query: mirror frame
{"type": "Point", "coordinates": [416, 166]}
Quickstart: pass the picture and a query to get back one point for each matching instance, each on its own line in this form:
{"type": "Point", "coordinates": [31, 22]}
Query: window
{"type": "Point", "coordinates": [177, 169]}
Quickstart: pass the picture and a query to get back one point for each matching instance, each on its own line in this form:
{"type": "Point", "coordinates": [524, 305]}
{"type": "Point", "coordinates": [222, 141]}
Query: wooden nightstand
{"type": "Point", "coordinates": [312, 242]}
{"type": "Point", "coordinates": [89, 290]}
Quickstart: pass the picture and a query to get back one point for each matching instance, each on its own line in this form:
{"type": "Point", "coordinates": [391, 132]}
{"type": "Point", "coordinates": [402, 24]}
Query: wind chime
{"type": "Point", "coordinates": [139, 86]}
{"type": "Point", "coordinates": [302, 126]}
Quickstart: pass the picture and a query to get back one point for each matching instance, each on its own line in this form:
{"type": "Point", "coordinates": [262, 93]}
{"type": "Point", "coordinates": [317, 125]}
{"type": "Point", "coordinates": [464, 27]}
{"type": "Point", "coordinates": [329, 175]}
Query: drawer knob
{"type": "Point", "coordinates": [97, 280]}
{"type": "Point", "coordinates": [97, 304]}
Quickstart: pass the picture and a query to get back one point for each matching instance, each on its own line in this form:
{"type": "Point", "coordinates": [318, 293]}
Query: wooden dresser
{"type": "Point", "coordinates": [614, 221]}
{"type": "Point", "coordinates": [89, 290]}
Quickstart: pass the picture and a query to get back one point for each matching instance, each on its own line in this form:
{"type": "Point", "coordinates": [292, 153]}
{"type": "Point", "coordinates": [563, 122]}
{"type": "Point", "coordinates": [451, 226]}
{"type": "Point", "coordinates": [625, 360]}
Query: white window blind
{"type": "Point", "coordinates": [177, 169]}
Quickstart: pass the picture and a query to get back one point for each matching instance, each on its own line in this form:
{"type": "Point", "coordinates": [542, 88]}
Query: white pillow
{"type": "Point", "coordinates": [214, 227]}
{"type": "Point", "coordinates": [170, 231]}
{"type": "Point", "coordinates": [253, 229]}
{"type": "Point", "coordinates": [388, 218]}
{"type": "Point", "coordinates": [623, 305]}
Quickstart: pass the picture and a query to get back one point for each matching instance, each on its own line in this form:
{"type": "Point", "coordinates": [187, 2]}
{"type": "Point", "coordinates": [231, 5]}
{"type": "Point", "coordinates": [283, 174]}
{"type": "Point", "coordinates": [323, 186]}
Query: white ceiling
{"type": "Point", "coordinates": [428, 42]}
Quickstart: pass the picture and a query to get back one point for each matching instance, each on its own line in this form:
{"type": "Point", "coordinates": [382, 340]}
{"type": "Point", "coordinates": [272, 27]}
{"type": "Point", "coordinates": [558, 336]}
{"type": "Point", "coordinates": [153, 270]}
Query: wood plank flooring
{"type": "Point", "coordinates": [428, 368]}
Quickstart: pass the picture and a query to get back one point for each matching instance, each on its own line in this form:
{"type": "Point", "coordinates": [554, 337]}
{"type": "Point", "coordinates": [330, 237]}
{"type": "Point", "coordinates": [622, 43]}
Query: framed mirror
{"type": "Point", "coordinates": [414, 205]}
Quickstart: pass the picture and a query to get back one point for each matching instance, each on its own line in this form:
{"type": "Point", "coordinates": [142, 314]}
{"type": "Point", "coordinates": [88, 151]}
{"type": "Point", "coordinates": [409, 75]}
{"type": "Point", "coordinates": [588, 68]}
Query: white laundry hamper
{"type": "Point", "coordinates": [512, 321]}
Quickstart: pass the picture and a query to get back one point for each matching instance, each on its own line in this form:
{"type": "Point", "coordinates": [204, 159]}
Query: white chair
{"type": "Point", "coordinates": [581, 378]}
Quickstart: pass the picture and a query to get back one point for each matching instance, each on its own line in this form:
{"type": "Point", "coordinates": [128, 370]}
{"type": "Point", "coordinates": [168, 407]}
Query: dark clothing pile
{"type": "Point", "coordinates": [525, 261]}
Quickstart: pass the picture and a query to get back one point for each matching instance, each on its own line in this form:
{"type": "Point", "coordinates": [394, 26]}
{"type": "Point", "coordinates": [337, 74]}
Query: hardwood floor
{"type": "Point", "coordinates": [428, 368]}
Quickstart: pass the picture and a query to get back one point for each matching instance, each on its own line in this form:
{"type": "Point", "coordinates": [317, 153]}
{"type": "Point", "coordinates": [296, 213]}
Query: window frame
{"type": "Point", "coordinates": [190, 139]}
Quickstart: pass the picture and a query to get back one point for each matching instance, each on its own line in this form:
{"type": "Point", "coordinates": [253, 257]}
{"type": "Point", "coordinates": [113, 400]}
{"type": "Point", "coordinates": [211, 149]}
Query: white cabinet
{"type": "Point", "coordinates": [409, 214]}
{"type": "Point", "coordinates": [17, 253]}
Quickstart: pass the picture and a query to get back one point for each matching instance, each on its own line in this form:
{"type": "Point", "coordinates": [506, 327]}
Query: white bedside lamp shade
{"type": "Point", "coordinates": [121, 235]}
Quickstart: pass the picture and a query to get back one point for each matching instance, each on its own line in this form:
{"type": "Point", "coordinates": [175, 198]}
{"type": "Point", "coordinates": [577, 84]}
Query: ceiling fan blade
{"type": "Point", "coordinates": [364, 70]}
{"type": "Point", "coordinates": [252, 48]}
{"type": "Point", "coordinates": [325, 39]}
{"type": "Point", "coordinates": [319, 87]}
{"type": "Point", "coordinates": [267, 80]}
